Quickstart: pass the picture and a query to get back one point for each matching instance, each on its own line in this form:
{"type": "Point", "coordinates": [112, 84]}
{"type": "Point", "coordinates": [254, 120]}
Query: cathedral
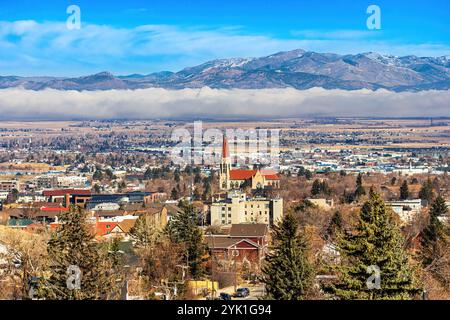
{"type": "Point", "coordinates": [237, 178]}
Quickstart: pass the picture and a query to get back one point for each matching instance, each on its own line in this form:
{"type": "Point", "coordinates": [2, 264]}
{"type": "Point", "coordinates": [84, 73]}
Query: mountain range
{"type": "Point", "coordinates": [297, 69]}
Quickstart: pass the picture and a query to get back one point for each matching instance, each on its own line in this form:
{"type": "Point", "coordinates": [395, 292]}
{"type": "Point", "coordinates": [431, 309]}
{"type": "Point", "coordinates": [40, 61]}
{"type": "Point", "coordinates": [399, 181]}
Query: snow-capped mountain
{"type": "Point", "coordinates": [297, 69]}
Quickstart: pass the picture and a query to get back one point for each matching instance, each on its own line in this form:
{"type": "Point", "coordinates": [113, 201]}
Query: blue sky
{"type": "Point", "coordinates": [145, 36]}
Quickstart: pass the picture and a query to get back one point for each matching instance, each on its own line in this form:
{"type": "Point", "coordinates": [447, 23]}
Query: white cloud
{"type": "Point", "coordinates": [153, 103]}
{"type": "Point", "coordinates": [49, 48]}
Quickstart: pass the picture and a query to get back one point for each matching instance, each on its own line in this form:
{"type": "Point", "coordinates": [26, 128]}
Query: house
{"type": "Point", "coordinates": [39, 211]}
{"type": "Point", "coordinates": [245, 243]}
{"type": "Point", "coordinates": [104, 228]}
{"type": "Point", "coordinates": [256, 232]}
{"type": "Point", "coordinates": [406, 209]}
{"type": "Point", "coordinates": [123, 228]}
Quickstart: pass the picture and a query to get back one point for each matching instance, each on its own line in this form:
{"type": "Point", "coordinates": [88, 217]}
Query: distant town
{"type": "Point", "coordinates": [139, 204]}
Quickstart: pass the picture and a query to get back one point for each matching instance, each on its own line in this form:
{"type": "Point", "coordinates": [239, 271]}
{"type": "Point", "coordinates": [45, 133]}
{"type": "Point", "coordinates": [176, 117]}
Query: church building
{"type": "Point", "coordinates": [237, 178]}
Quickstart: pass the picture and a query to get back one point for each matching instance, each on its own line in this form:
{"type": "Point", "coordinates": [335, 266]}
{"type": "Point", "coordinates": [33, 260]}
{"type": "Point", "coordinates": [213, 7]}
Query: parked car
{"type": "Point", "coordinates": [242, 292]}
{"type": "Point", "coordinates": [224, 296]}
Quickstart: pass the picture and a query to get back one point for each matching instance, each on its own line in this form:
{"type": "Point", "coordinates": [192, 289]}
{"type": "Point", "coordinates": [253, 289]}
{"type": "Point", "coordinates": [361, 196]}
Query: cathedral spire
{"type": "Point", "coordinates": [225, 150]}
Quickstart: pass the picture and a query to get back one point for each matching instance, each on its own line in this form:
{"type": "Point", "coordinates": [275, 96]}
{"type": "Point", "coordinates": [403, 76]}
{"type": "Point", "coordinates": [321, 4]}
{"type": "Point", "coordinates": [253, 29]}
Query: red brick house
{"type": "Point", "coordinates": [244, 243]}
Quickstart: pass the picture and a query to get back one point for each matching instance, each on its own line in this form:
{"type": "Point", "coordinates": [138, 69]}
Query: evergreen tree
{"type": "Point", "coordinates": [359, 191]}
{"type": "Point", "coordinates": [335, 226]}
{"type": "Point", "coordinates": [426, 192]}
{"type": "Point", "coordinates": [320, 187]}
{"type": "Point", "coordinates": [98, 175]}
{"type": "Point", "coordinates": [143, 232]}
{"type": "Point", "coordinates": [316, 188]}
{"type": "Point", "coordinates": [182, 229]}
{"type": "Point", "coordinates": [435, 241]}
{"type": "Point", "coordinates": [77, 263]}
{"type": "Point", "coordinates": [393, 181]}
{"type": "Point", "coordinates": [404, 191]}
{"type": "Point", "coordinates": [197, 178]}
{"type": "Point", "coordinates": [376, 243]}
{"type": "Point", "coordinates": [287, 273]}
{"type": "Point", "coordinates": [174, 194]}
{"type": "Point", "coordinates": [176, 176]}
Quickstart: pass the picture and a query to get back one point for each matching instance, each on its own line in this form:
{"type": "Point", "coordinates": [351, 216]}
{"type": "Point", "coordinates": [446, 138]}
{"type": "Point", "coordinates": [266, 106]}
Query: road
{"type": "Point", "coordinates": [256, 291]}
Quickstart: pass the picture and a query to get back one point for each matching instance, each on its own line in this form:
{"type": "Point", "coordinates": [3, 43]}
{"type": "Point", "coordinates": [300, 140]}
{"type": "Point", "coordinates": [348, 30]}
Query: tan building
{"type": "Point", "coordinates": [325, 204]}
{"type": "Point", "coordinates": [237, 178]}
{"type": "Point", "coordinates": [237, 208]}
{"type": "Point", "coordinates": [9, 185]}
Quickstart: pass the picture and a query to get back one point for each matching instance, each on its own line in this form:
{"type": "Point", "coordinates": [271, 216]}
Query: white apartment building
{"type": "Point", "coordinates": [237, 208]}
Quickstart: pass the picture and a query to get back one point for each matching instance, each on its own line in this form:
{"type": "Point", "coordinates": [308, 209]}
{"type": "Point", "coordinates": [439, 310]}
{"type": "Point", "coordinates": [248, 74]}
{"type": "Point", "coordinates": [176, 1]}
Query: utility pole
{"type": "Point", "coordinates": [235, 253]}
{"type": "Point", "coordinates": [213, 291]}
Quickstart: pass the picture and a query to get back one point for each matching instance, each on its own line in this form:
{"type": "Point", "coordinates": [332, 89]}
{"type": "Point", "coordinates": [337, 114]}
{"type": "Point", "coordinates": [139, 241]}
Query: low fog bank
{"type": "Point", "coordinates": [49, 104]}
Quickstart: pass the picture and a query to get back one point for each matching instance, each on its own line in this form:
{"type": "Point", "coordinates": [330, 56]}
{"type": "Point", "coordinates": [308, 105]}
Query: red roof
{"type": "Point", "coordinates": [62, 192]}
{"type": "Point", "coordinates": [241, 174]}
{"type": "Point", "coordinates": [47, 204]}
{"type": "Point", "coordinates": [45, 209]}
{"type": "Point", "coordinates": [104, 227]}
{"type": "Point", "coordinates": [54, 225]}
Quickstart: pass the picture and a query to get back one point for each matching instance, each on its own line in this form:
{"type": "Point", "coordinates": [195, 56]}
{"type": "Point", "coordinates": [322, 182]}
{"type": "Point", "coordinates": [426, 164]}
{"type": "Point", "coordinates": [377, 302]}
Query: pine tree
{"type": "Point", "coordinates": [393, 180]}
{"type": "Point", "coordinates": [404, 191]}
{"type": "Point", "coordinates": [435, 242]}
{"type": "Point", "coordinates": [426, 192]}
{"type": "Point", "coordinates": [316, 187]}
{"type": "Point", "coordinates": [72, 248]}
{"type": "Point", "coordinates": [287, 273]}
{"type": "Point", "coordinates": [182, 229]}
{"type": "Point", "coordinates": [143, 232]}
{"type": "Point", "coordinates": [174, 194]}
{"type": "Point", "coordinates": [335, 226]}
{"type": "Point", "coordinates": [359, 191]}
{"type": "Point", "coordinates": [376, 243]}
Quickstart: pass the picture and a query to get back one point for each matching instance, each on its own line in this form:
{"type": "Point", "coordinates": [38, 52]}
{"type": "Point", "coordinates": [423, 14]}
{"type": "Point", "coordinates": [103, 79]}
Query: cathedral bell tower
{"type": "Point", "coordinates": [225, 166]}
